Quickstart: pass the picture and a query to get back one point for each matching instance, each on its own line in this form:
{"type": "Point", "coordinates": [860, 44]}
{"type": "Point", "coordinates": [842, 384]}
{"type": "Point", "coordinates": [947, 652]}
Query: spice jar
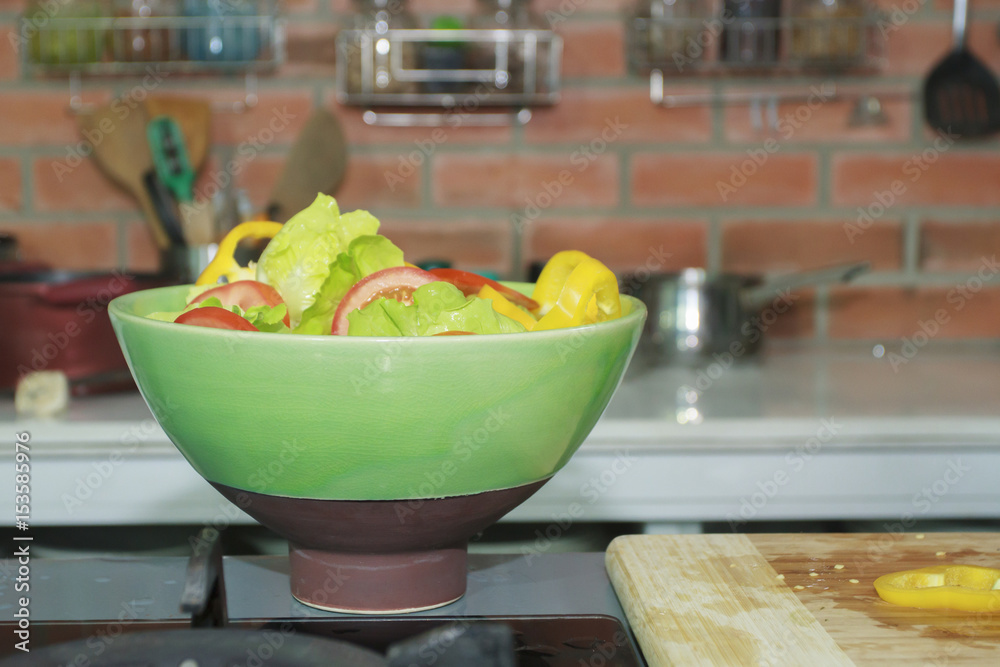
{"type": "Point", "coordinates": [672, 29]}
{"type": "Point", "coordinates": [504, 62]}
{"type": "Point", "coordinates": [371, 56]}
{"type": "Point", "coordinates": [750, 36]}
{"type": "Point", "coordinates": [132, 40]}
{"type": "Point", "coordinates": [827, 30]}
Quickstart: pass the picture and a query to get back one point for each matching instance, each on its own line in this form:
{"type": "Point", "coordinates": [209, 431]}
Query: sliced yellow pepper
{"type": "Point", "coordinates": [553, 277]}
{"type": "Point", "coordinates": [588, 294]}
{"type": "Point", "coordinates": [962, 587]}
{"type": "Point", "coordinates": [224, 264]}
{"type": "Point", "coordinates": [502, 305]}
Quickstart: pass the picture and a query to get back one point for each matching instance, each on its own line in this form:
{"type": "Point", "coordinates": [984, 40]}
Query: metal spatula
{"type": "Point", "coordinates": [961, 95]}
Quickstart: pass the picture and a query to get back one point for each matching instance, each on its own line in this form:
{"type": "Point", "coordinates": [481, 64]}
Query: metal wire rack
{"type": "Point", "coordinates": [106, 37]}
{"type": "Point", "coordinates": [448, 68]}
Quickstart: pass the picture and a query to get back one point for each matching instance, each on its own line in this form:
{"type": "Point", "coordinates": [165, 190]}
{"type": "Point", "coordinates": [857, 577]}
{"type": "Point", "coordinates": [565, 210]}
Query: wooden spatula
{"type": "Point", "coordinates": [123, 154]}
{"type": "Point", "coordinates": [315, 164]}
{"type": "Point", "coordinates": [961, 95]}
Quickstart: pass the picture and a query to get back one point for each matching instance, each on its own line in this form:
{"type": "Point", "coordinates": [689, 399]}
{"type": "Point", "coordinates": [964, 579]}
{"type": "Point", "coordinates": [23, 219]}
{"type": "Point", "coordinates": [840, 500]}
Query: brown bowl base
{"type": "Point", "coordinates": [378, 583]}
{"type": "Point", "coordinates": [378, 556]}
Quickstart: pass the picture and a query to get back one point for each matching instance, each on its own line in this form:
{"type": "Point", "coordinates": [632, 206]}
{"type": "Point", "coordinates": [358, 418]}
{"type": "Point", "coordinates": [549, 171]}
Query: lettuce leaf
{"type": "Point", "coordinates": [365, 255]}
{"type": "Point", "coordinates": [437, 307]}
{"type": "Point", "coordinates": [297, 261]}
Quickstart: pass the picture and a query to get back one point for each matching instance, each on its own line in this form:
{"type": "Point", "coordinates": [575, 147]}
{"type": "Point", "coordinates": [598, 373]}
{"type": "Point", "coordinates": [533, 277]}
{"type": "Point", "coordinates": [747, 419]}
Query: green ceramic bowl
{"type": "Point", "coordinates": [377, 458]}
{"type": "Point", "coordinates": [353, 418]}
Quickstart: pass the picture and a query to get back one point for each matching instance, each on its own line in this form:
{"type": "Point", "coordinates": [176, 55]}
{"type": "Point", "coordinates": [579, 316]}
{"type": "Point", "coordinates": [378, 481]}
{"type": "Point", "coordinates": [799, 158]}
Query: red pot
{"type": "Point", "coordinates": [57, 320]}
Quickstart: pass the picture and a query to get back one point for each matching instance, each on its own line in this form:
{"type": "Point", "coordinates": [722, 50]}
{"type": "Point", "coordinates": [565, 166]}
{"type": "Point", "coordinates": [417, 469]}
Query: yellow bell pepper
{"type": "Point", "coordinates": [962, 587]}
{"type": "Point", "coordinates": [554, 275]}
{"type": "Point", "coordinates": [224, 264]}
{"type": "Point", "coordinates": [503, 306]}
{"type": "Point", "coordinates": [586, 292]}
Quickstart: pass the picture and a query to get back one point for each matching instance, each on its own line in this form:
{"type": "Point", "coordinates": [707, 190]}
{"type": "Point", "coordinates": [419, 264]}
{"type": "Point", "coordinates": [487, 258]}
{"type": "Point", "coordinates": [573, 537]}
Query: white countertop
{"type": "Point", "coordinates": [797, 433]}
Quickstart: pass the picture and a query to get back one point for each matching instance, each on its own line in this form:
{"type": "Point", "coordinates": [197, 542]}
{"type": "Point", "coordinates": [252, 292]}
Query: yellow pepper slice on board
{"type": "Point", "coordinates": [961, 587]}
{"type": "Point", "coordinates": [224, 264]}
{"type": "Point", "coordinates": [502, 305]}
{"type": "Point", "coordinates": [589, 282]}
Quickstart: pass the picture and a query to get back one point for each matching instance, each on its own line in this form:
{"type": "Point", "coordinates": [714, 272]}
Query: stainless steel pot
{"type": "Point", "coordinates": [693, 315]}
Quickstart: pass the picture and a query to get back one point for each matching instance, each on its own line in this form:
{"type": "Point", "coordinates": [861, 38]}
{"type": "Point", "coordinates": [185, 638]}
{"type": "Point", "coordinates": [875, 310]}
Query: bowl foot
{"type": "Point", "coordinates": [395, 583]}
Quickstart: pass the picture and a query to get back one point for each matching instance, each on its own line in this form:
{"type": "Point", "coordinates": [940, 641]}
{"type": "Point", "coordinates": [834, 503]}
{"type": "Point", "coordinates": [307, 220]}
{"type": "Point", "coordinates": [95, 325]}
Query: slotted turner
{"type": "Point", "coordinates": [961, 95]}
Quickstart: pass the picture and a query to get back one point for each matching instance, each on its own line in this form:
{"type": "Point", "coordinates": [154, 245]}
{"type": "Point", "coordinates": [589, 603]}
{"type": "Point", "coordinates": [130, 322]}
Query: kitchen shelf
{"type": "Point", "coordinates": [190, 36]}
{"type": "Point", "coordinates": [724, 45]}
{"type": "Point", "coordinates": [448, 69]}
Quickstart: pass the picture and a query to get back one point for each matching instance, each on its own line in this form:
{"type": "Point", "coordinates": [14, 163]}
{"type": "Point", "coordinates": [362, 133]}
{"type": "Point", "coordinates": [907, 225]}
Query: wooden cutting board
{"type": "Point", "coordinates": [802, 599]}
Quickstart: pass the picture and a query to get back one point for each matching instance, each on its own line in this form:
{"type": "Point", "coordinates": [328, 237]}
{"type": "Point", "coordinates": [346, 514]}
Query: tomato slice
{"type": "Point", "coordinates": [397, 283]}
{"type": "Point", "coordinates": [215, 318]}
{"type": "Point", "coordinates": [470, 284]}
{"type": "Point", "coordinates": [244, 293]}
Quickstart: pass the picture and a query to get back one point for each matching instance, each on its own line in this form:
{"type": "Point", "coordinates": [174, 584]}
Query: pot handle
{"type": "Point", "coordinates": [759, 297]}
{"type": "Point", "coordinates": [79, 291]}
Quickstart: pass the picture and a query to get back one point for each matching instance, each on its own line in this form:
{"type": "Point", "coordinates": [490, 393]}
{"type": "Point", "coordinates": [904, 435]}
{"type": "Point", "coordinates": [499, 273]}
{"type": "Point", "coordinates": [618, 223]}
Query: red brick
{"type": "Point", "coordinates": [798, 321]}
{"type": "Point", "coordinates": [963, 310]}
{"type": "Point", "coordinates": [37, 118]}
{"type": "Point", "coordinates": [276, 119]}
{"type": "Point", "coordinates": [957, 246]}
{"type": "Point", "coordinates": [820, 121]}
{"type": "Point", "coordinates": [593, 49]}
{"type": "Point", "coordinates": [623, 244]}
{"type": "Point", "coordinates": [82, 188]}
{"type": "Point", "coordinates": [141, 252]}
{"type": "Point", "coordinates": [519, 180]}
{"type": "Point", "coordinates": [940, 178]}
{"type": "Point", "coordinates": [310, 49]}
{"type": "Point", "coordinates": [948, 5]}
{"type": "Point", "coordinates": [68, 245]}
{"type": "Point", "coordinates": [10, 185]}
{"type": "Point", "coordinates": [467, 244]}
{"type": "Point", "coordinates": [708, 179]}
{"type": "Point", "coordinates": [426, 140]}
{"type": "Point", "coordinates": [9, 60]}
{"type": "Point", "coordinates": [916, 46]}
{"type": "Point", "coordinates": [556, 10]}
{"type": "Point", "coordinates": [617, 115]}
{"type": "Point", "coordinates": [374, 181]}
{"type": "Point", "coordinates": [762, 246]}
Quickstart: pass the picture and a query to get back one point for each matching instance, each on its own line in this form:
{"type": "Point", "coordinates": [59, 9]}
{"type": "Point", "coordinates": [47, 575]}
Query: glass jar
{"type": "Point", "coordinates": [750, 36]}
{"type": "Point", "coordinates": [672, 31]}
{"type": "Point", "coordinates": [66, 34]}
{"type": "Point", "coordinates": [827, 31]}
{"type": "Point", "coordinates": [370, 57]}
{"type": "Point", "coordinates": [505, 64]}
{"type": "Point", "coordinates": [224, 30]}
{"type": "Point", "coordinates": [131, 43]}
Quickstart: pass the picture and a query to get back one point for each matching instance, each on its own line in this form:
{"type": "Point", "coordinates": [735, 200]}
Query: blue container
{"type": "Point", "coordinates": [227, 32]}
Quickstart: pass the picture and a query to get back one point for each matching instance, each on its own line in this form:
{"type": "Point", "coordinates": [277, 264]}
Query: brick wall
{"type": "Point", "coordinates": [639, 177]}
